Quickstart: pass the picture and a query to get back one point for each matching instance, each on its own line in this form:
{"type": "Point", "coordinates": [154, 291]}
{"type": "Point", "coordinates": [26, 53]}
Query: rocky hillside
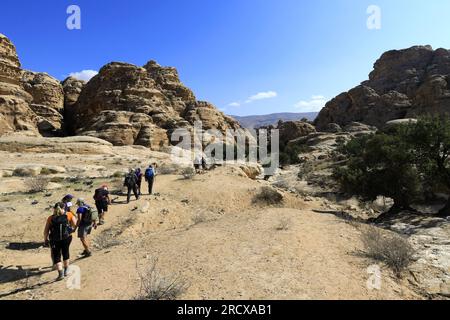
{"type": "Point", "coordinates": [15, 112]}
{"type": "Point", "coordinates": [124, 104]}
{"type": "Point", "coordinates": [404, 84]}
{"type": "Point", "coordinates": [253, 122]}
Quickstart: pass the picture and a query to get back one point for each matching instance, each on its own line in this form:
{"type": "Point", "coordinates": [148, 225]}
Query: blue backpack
{"type": "Point", "coordinates": [149, 173]}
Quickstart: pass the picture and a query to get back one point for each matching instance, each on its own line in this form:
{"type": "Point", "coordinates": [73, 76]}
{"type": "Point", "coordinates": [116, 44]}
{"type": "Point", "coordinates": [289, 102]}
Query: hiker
{"type": "Point", "coordinates": [87, 218]}
{"type": "Point", "coordinates": [139, 176]}
{"type": "Point", "coordinates": [67, 200]}
{"type": "Point", "coordinates": [102, 201]}
{"type": "Point", "coordinates": [131, 183]}
{"type": "Point", "coordinates": [58, 234]}
{"type": "Point", "coordinates": [197, 164]}
{"type": "Point", "coordinates": [150, 174]}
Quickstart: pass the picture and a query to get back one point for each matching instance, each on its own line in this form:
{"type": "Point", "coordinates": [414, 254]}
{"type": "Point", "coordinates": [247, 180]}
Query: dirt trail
{"type": "Point", "coordinates": [207, 230]}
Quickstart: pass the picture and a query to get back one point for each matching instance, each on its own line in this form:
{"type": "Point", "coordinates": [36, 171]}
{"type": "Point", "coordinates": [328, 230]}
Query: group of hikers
{"type": "Point", "coordinates": [68, 218]}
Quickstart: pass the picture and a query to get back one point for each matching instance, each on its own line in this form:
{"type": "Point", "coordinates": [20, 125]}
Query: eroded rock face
{"type": "Point", "coordinates": [15, 113]}
{"type": "Point", "coordinates": [404, 84]}
{"type": "Point", "coordinates": [291, 130]}
{"type": "Point", "coordinates": [44, 89]}
{"type": "Point", "coordinates": [72, 88]}
{"type": "Point", "coordinates": [130, 105]}
{"type": "Point", "coordinates": [47, 102]}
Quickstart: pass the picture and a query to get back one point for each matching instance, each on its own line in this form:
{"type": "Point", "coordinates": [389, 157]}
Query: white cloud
{"type": "Point", "coordinates": [235, 104]}
{"type": "Point", "coordinates": [258, 96]}
{"type": "Point", "coordinates": [85, 75]}
{"type": "Point", "coordinates": [262, 96]}
{"type": "Point", "coordinates": [316, 103]}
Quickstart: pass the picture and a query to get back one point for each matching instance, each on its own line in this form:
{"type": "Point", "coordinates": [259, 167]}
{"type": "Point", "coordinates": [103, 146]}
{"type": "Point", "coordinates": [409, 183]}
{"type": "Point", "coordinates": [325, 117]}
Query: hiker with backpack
{"type": "Point", "coordinates": [150, 174]}
{"type": "Point", "coordinates": [139, 176]}
{"type": "Point", "coordinates": [58, 234]}
{"type": "Point", "coordinates": [67, 200]}
{"type": "Point", "coordinates": [102, 200]}
{"type": "Point", "coordinates": [131, 183]}
{"type": "Point", "coordinates": [87, 219]}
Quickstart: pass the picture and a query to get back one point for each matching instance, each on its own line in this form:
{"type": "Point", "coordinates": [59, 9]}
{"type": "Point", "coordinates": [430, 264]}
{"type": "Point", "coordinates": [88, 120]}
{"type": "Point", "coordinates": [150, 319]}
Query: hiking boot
{"type": "Point", "coordinates": [66, 272]}
{"type": "Point", "coordinates": [60, 276]}
{"type": "Point", "coordinates": [86, 253]}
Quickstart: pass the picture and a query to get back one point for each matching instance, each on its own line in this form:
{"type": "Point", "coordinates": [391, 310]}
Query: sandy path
{"type": "Point", "coordinates": [235, 252]}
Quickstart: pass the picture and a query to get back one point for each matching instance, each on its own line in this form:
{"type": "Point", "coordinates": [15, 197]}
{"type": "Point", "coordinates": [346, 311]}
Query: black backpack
{"type": "Point", "coordinates": [130, 180]}
{"type": "Point", "coordinates": [60, 228]}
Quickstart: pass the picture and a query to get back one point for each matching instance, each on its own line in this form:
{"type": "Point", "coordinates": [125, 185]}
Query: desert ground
{"type": "Point", "coordinates": [206, 230]}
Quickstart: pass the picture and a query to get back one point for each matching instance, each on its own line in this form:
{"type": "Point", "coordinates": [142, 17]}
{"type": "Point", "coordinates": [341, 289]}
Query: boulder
{"type": "Point", "coordinates": [291, 130]}
{"type": "Point", "coordinates": [69, 145]}
{"type": "Point", "coordinates": [404, 84]}
{"type": "Point", "coordinates": [400, 122]}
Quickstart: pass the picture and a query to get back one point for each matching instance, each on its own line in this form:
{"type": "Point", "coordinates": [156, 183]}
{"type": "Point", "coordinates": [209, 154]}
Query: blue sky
{"type": "Point", "coordinates": [264, 55]}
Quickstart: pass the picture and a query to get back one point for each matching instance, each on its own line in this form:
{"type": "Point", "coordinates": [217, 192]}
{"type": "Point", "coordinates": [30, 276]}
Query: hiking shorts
{"type": "Point", "coordinates": [60, 248]}
{"type": "Point", "coordinates": [102, 206]}
{"type": "Point", "coordinates": [84, 230]}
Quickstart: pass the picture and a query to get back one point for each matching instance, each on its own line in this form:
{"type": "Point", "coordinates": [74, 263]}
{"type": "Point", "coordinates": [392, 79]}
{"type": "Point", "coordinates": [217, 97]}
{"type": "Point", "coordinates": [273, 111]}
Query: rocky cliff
{"type": "Point", "coordinates": [15, 113]}
{"type": "Point", "coordinates": [127, 104]}
{"type": "Point", "coordinates": [404, 84]}
{"type": "Point", "coordinates": [47, 101]}
{"type": "Point", "coordinates": [124, 104]}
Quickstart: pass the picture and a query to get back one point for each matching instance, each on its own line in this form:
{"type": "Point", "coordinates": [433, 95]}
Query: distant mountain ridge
{"type": "Point", "coordinates": [272, 119]}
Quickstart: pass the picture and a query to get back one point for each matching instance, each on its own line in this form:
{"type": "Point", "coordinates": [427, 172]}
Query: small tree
{"type": "Point", "coordinates": [431, 138]}
{"type": "Point", "coordinates": [381, 164]}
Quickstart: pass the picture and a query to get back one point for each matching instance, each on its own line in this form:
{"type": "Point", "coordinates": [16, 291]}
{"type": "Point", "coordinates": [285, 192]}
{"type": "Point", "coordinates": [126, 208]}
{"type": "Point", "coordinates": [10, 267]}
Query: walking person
{"type": "Point", "coordinates": [58, 234]}
{"type": "Point", "coordinates": [102, 200]}
{"type": "Point", "coordinates": [131, 183]}
{"type": "Point", "coordinates": [197, 164]}
{"type": "Point", "coordinates": [67, 200]}
{"type": "Point", "coordinates": [150, 174]}
{"type": "Point", "coordinates": [87, 218]}
{"type": "Point", "coordinates": [139, 176]}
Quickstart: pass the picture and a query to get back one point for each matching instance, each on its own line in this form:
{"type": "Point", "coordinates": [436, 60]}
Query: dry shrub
{"type": "Point", "coordinates": [268, 196]}
{"type": "Point", "coordinates": [37, 184]}
{"type": "Point", "coordinates": [391, 249]}
{"type": "Point", "coordinates": [118, 174]}
{"type": "Point", "coordinates": [282, 184]}
{"type": "Point", "coordinates": [284, 224]}
{"type": "Point", "coordinates": [188, 173]}
{"type": "Point", "coordinates": [168, 168]}
{"type": "Point", "coordinates": [106, 239]}
{"type": "Point", "coordinates": [198, 218]}
{"type": "Point", "coordinates": [156, 286]}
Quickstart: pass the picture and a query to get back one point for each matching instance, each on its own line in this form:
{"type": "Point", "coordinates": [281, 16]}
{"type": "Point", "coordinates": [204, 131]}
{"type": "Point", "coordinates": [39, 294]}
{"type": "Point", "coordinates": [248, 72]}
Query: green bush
{"type": "Point", "coordinates": [404, 162]}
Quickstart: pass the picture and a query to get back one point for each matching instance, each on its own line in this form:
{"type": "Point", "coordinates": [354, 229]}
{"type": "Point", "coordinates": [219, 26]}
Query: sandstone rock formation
{"type": "Point", "coordinates": [17, 142]}
{"type": "Point", "coordinates": [404, 84]}
{"type": "Point", "coordinates": [72, 88]}
{"type": "Point", "coordinates": [15, 113]}
{"type": "Point", "coordinates": [126, 104]}
{"type": "Point", "coordinates": [291, 130]}
{"type": "Point", "coordinates": [48, 100]}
